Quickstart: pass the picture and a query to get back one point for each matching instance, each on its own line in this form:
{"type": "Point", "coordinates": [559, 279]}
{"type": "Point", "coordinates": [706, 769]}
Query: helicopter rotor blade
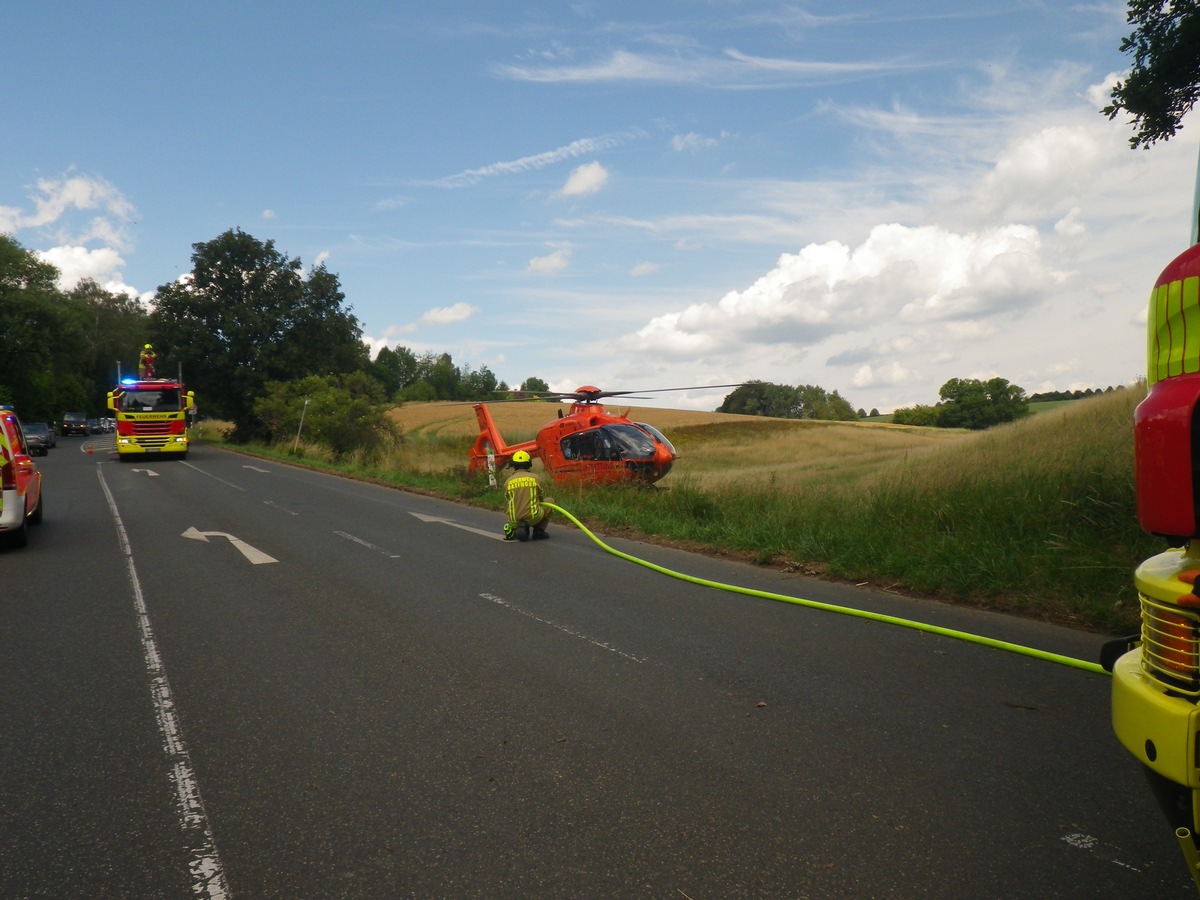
{"type": "Point", "coordinates": [594, 396]}
{"type": "Point", "coordinates": [699, 387]}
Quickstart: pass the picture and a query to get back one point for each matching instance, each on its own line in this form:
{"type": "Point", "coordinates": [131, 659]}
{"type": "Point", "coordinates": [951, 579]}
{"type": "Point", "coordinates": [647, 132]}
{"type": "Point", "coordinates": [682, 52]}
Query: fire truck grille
{"type": "Point", "coordinates": [1171, 646]}
{"type": "Point", "coordinates": [144, 429]}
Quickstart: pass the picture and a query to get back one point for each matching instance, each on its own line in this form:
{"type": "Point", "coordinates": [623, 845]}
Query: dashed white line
{"type": "Point", "coordinates": [566, 629]}
{"type": "Point", "coordinates": [388, 553]}
{"type": "Point", "coordinates": [211, 475]}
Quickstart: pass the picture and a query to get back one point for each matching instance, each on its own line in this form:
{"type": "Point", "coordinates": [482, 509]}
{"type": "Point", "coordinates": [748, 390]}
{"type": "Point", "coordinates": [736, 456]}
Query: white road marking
{"type": "Point", "coordinates": [149, 472]}
{"type": "Point", "coordinates": [254, 555]}
{"type": "Point", "coordinates": [272, 503]}
{"type": "Point", "coordinates": [1093, 846]}
{"type": "Point", "coordinates": [566, 629]}
{"type": "Point", "coordinates": [488, 534]}
{"type": "Point", "coordinates": [210, 475]}
{"type": "Point", "coordinates": [208, 875]}
{"type": "Point", "coordinates": [257, 469]}
{"type": "Point", "coordinates": [388, 553]}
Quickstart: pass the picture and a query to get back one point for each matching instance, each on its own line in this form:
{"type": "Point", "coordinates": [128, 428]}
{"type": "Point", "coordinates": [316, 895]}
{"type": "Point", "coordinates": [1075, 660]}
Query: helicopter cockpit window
{"type": "Point", "coordinates": [609, 442]}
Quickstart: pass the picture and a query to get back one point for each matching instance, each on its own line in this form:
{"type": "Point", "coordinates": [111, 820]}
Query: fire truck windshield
{"type": "Point", "coordinates": [146, 400]}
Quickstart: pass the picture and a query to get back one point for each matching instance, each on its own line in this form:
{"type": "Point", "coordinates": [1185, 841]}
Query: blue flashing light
{"type": "Point", "coordinates": [128, 381]}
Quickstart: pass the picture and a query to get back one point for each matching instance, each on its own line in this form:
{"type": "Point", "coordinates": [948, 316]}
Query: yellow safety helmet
{"type": "Point", "coordinates": [148, 347]}
{"type": "Point", "coordinates": [520, 458]}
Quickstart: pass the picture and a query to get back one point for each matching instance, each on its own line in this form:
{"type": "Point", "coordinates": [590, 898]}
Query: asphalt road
{"type": "Point", "coordinates": [229, 677]}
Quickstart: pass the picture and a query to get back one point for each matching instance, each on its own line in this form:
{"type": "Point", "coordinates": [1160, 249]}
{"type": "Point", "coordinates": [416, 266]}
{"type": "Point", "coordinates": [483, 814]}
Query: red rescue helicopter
{"type": "Point", "coordinates": [588, 443]}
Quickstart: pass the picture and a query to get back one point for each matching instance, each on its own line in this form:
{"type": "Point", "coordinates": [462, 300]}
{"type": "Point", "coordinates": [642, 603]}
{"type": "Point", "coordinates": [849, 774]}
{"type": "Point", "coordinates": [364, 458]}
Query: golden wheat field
{"type": "Point", "coordinates": [714, 447]}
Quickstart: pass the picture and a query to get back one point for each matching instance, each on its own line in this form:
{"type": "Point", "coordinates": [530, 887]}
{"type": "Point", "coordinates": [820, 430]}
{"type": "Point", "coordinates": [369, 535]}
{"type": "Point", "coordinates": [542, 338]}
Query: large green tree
{"type": "Point", "coordinates": [782, 401]}
{"type": "Point", "coordinates": [246, 315]}
{"type": "Point", "coordinates": [346, 413]}
{"type": "Point", "coordinates": [1164, 82]}
{"type": "Point", "coordinates": [114, 328]}
{"type": "Point", "coordinates": [395, 369]}
{"type": "Point", "coordinates": [975, 404]}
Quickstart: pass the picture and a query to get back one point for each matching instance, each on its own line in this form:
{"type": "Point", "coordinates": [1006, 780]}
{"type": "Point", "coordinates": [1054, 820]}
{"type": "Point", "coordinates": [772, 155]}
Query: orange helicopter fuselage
{"type": "Point", "coordinates": [588, 445]}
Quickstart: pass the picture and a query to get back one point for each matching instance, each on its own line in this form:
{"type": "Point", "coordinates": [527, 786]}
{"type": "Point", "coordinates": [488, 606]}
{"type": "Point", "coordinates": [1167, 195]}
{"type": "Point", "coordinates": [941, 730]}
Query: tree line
{"type": "Point", "coordinates": [964, 403]}
{"type": "Point", "coordinates": [246, 327]}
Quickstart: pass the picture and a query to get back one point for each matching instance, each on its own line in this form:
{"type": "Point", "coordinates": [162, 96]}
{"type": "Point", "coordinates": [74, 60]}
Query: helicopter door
{"type": "Point", "coordinates": [589, 446]}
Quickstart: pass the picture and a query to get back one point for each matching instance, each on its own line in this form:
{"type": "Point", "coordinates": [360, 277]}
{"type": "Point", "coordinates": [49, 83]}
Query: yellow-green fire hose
{"type": "Point", "coordinates": [845, 610]}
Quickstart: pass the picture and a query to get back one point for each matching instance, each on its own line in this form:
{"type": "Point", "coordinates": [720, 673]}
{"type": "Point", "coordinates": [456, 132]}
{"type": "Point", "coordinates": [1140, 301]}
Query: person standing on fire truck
{"type": "Point", "coordinates": [146, 362]}
{"type": "Point", "coordinates": [524, 501]}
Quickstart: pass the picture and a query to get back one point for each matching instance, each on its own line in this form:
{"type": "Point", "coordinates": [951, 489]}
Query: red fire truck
{"type": "Point", "coordinates": [152, 417]}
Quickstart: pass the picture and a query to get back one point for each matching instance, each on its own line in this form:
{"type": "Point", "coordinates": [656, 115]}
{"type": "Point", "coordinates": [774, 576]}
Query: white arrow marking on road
{"type": "Point", "coordinates": [488, 534]}
{"type": "Point", "coordinates": [257, 557]}
{"type": "Point", "coordinates": [149, 472]}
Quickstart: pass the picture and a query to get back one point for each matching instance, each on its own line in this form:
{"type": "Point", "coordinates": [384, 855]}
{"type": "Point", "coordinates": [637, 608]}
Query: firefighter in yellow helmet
{"type": "Point", "coordinates": [527, 517]}
{"type": "Point", "coordinates": [146, 362]}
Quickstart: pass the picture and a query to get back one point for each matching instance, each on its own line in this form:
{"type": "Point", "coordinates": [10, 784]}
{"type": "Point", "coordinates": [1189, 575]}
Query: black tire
{"type": "Point", "coordinates": [18, 538]}
{"type": "Point", "coordinates": [35, 517]}
{"type": "Point", "coordinates": [1175, 800]}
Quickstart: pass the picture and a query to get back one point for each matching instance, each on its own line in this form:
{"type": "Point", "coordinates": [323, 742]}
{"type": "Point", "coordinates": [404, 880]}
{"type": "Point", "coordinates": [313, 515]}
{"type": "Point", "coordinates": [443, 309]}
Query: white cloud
{"type": "Point", "coordinates": [446, 315]}
{"type": "Point", "coordinates": [77, 263]}
{"type": "Point", "coordinates": [586, 179]}
{"type": "Point", "coordinates": [1069, 225]}
{"type": "Point", "coordinates": [643, 269]}
{"type": "Point", "coordinates": [730, 69]}
{"type": "Point", "coordinates": [55, 200]}
{"type": "Point", "coordinates": [535, 161]}
{"type": "Point", "coordinates": [691, 141]}
{"type": "Point", "coordinates": [890, 373]}
{"type": "Point", "coordinates": [898, 273]}
{"type": "Point", "coordinates": [552, 262]}
{"type": "Point", "coordinates": [268, 213]}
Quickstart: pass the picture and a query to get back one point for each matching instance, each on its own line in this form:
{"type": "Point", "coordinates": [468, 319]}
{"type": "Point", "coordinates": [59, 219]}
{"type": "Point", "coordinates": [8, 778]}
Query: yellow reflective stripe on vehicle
{"type": "Point", "coordinates": [1173, 336]}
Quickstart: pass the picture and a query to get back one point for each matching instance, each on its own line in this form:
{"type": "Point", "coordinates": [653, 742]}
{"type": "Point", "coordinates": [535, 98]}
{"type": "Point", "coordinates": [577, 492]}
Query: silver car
{"type": "Point", "coordinates": [37, 437]}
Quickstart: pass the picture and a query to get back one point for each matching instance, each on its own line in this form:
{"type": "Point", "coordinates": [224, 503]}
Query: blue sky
{"type": "Point", "coordinates": [874, 197]}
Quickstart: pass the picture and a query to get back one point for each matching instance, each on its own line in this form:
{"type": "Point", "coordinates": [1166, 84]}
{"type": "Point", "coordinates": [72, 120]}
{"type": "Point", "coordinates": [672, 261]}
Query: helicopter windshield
{"type": "Point", "coordinates": [611, 442]}
{"type": "Point", "coordinates": [658, 436]}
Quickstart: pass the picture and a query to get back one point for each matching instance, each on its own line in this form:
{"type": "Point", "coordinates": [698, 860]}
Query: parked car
{"type": "Point", "coordinates": [37, 436]}
{"type": "Point", "coordinates": [20, 482]}
{"type": "Point", "coordinates": [74, 423]}
{"type": "Point", "coordinates": [94, 426]}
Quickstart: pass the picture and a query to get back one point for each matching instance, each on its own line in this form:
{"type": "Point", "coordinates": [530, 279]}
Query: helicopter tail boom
{"type": "Point", "coordinates": [491, 439]}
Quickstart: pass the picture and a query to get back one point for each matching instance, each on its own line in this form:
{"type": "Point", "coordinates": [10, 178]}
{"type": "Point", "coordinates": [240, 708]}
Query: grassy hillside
{"type": "Point", "coordinates": [1036, 517]}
